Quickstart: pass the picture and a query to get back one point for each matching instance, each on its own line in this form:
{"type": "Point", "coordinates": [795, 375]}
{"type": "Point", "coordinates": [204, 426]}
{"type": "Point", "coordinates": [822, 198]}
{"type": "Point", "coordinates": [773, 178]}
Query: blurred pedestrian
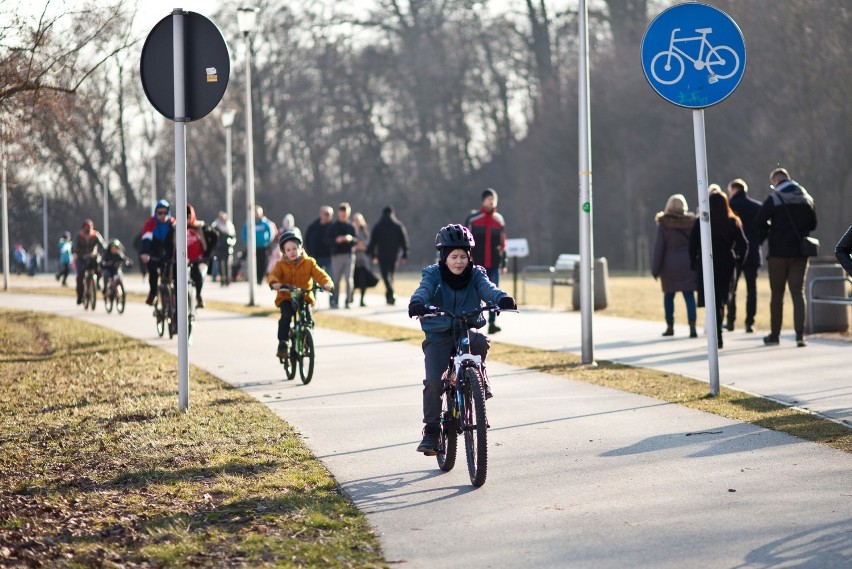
{"type": "Point", "coordinates": [388, 246]}
{"type": "Point", "coordinates": [64, 257]}
{"type": "Point", "coordinates": [785, 218]}
{"type": "Point", "coordinates": [224, 247]}
{"type": "Point", "coordinates": [264, 235]}
{"type": "Point", "coordinates": [363, 276]}
{"type": "Point", "coordinates": [315, 244]}
{"type": "Point", "coordinates": [746, 209]}
{"type": "Point", "coordinates": [340, 237]}
{"type": "Point", "coordinates": [728, 250]}
{"type": "Point", "coordinates": [671, 263]}
{"type": "Point", "coordinates": [489, 230]}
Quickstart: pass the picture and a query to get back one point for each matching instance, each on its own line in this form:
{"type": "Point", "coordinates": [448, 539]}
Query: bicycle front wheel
{"type": "Point", "coordinates": [109, 298]}
{"type": "Point", "coordinates": [160, 315]}
{"type": "Point", "coordinates": [475, 427]}
{"type": "Point", "coordinates": [120, 299]}
{"type": "Point", "coordinates": [448, 445]}
{"type": "Point", "coordinates": [667, 67]}
{"type": "Point", "coordinates": [306, 359]}
{"type": "Point", "coordinates": [290, 360]}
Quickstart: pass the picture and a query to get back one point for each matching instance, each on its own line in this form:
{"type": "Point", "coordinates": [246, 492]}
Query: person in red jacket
{"type": "Point", "coordinates": [489, 229]}
{"type": "Point", "coordinates": [196, 252]}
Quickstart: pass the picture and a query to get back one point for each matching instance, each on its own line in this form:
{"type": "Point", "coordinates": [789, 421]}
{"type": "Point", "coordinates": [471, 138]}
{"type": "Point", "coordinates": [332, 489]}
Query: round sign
{"type": "Point", "coordinates": [207, 66]}
{"type": "Point", "coordinates": [693, 55]}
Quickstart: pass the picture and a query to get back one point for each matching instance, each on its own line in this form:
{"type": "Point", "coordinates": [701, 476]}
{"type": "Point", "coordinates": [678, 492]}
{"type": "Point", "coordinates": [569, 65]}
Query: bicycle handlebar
{"type": "Point", "coordinates": [435, 311]}
{"type": "Point", "coordinates": [296, 291]}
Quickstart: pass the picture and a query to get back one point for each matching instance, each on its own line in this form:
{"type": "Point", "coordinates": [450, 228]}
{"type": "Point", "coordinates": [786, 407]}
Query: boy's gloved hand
{"type": "Point", "coordinates": [506, 303]}
{"type": "Point", "coordinates": [416, 309]}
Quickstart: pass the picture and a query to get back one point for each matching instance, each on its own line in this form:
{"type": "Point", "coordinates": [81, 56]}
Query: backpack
{"type": "Point", "coordinates": [211, 237]}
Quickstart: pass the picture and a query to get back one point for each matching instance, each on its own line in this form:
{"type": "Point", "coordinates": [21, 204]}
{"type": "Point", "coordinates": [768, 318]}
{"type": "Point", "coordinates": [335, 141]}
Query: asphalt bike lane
{"type": "Point", "coordinates": [578, 475]}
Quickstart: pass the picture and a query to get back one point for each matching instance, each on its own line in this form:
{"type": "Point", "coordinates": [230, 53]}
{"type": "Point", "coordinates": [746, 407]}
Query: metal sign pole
{"type": "Point", "coordinates": [180, 211]}
{"type": "Point", "coordinates": [44, 230]}
{"type": "Point", "coordinates": [706, 250]}
{"type": "Point", "coordinates": [587, 278]}
{"type": "Point", "coordinates": [5, 208]}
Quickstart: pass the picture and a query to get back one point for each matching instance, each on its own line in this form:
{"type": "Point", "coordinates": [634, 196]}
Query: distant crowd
{"type": "Point", "coordinates": [739, 225]}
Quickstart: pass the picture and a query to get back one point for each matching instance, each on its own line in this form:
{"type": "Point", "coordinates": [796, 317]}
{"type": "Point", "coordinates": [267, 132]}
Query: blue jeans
{"type": "Point", "coordinates": [668, 304]}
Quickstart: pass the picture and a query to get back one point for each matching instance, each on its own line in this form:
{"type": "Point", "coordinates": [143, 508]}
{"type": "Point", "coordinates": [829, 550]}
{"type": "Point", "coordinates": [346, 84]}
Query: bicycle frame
{"type": "Point", "coordinates": [702, 38]}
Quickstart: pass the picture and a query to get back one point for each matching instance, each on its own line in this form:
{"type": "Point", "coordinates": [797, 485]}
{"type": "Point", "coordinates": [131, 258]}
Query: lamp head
{"type": "Point", "coordinates": [247, 18]}
{"type": "Point", "coordinates": [228, 117]}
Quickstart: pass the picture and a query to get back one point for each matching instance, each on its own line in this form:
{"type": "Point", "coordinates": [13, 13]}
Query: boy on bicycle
{"type": "Point", "coordinates": [296, 270]}
{"type": "Point", "coordinates": [457, 284]}
{"type": "Point", "coordinates": [113, 261]}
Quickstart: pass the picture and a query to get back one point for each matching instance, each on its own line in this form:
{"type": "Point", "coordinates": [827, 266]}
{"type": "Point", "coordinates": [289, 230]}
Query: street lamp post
{"type": "Point", "coordinates": [228, 122]}
{"type": "Point", "coordinates": [247, 18]}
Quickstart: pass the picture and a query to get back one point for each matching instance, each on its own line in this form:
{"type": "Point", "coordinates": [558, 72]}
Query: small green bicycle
{"type": "Point", "coordinates": [301, 338]}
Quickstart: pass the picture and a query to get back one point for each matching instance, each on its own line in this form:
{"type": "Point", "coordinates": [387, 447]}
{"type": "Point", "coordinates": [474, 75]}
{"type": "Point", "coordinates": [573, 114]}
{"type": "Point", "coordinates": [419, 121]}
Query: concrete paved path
{"type": "Point", "coordinates": [579, 475]}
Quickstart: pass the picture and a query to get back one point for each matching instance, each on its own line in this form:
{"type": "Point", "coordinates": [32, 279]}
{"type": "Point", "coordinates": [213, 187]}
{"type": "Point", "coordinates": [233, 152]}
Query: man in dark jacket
{"type": "Point", "coordinates": [315, 244]}
{"type": "Point", "coordinates": [489, 231]}
{"type": "Point", "coordinates": [746, 209]}
{"type": "Point", "coordinates": [786, 217]}
{"type": "Point", "coordinates": [388, 243]}
{"type": "Point", "coordinates": [340, 237]}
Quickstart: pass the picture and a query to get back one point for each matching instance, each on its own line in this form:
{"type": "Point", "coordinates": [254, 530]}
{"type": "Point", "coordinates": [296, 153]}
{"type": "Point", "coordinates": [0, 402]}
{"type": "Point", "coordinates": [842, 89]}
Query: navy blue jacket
{"type": "Point", "coordinates": [433, 291]}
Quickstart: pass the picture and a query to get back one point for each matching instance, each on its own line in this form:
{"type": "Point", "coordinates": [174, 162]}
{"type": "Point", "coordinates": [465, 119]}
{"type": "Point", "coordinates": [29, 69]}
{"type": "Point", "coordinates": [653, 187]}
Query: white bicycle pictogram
{"type": "Point", "coordinates": [720, 61]}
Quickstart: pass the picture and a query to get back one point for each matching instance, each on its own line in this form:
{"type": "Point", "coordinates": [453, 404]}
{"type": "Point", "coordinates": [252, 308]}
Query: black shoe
{"type": "Point", "coordinates": [429, 444]}
{"type": "Point", "coordinates": [79, 301]}
{"type": "Point", "coordinates": [749, 329]}
{"type": "Point", "coordinates": [669, 331]}
{"type": "Point", "coordinates": [770, 340]}
{"type": "Point", "coordinates": [150, 300]}
{"type": "Point", "coordinates": [729, 326]}
{"type": "Point", "coordinates": [801, 342]}
{"type": "Point", "coordinates": [282, 350]}
{"type": "Point", "coordinates": [493, 328]}
{"type": "Point", "coordinates": [488, 393]}
{"type": "Point", "coordinates": [198, 302]}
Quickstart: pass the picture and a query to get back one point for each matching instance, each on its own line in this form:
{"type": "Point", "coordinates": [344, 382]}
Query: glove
{"type": "Point", "coordinates": [506, 303]}
{"type": "Point", "coordinates": [416, 309]}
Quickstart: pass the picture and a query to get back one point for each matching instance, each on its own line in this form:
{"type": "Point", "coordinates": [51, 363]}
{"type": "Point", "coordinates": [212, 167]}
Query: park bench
{"type": "Point", "coordinates": [814, 298]}
{"type": "Point", "coordinates": [560, 273]}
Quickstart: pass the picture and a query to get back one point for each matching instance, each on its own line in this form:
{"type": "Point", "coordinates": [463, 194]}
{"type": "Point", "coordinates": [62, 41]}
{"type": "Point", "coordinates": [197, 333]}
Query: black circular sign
{"type": "Point", "coordinates": [207, 66]}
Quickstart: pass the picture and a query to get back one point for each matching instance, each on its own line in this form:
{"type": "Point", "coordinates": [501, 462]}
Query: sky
{"type": "Point", "coordinates": [152, 11]}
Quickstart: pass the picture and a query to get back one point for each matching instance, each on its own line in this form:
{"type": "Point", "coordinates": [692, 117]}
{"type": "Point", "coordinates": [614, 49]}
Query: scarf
{"type": "Point", "coordinates": [454, 281]}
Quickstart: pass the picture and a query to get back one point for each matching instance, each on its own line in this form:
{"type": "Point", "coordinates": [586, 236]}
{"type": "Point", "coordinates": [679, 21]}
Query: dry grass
{"type": "Point", "coordinates": [99, 469]}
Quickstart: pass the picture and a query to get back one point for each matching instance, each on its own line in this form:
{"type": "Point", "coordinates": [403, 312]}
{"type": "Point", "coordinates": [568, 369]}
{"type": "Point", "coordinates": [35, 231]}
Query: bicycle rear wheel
{"type": "Point", "coordinates": [306, 360]}
{"type": "Point", "coordinates": [109, 296]}
{"type": "Point", "coordinates": [120, 299]}
{"type": "Point", "coordinates": [448, 445]}
{"type": "Point", "coordinates": [475, 427]}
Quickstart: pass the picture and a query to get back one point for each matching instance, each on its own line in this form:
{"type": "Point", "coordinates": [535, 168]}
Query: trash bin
{"type": "Point", "coordinates": [824, 317]}
{"type": "Point", "coordinates": [601, 275]}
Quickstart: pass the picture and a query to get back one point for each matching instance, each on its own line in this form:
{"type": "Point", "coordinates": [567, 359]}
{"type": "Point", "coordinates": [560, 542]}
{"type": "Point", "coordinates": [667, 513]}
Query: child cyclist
{"type": "Point", "coordinates": [113, 261]}
{"type": "Point", "coordinates": [458, 285]}
{"type": "Point", "coordinates": [295, 269]}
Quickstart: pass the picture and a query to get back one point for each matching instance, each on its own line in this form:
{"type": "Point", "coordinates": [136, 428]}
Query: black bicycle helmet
{"type": "Point", "coordinates": [454, 236]}
{"type": "Point", "coordinates": [290, 235]}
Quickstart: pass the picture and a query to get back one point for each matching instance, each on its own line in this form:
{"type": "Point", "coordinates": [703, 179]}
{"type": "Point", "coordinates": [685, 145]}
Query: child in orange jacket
{"type": "Point", "coordinates": [298, 270]}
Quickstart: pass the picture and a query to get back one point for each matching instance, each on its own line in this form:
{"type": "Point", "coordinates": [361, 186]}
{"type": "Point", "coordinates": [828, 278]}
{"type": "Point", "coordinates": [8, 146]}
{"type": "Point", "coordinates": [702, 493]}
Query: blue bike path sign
{"type": "Point", "coordinates": [693, 55]}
